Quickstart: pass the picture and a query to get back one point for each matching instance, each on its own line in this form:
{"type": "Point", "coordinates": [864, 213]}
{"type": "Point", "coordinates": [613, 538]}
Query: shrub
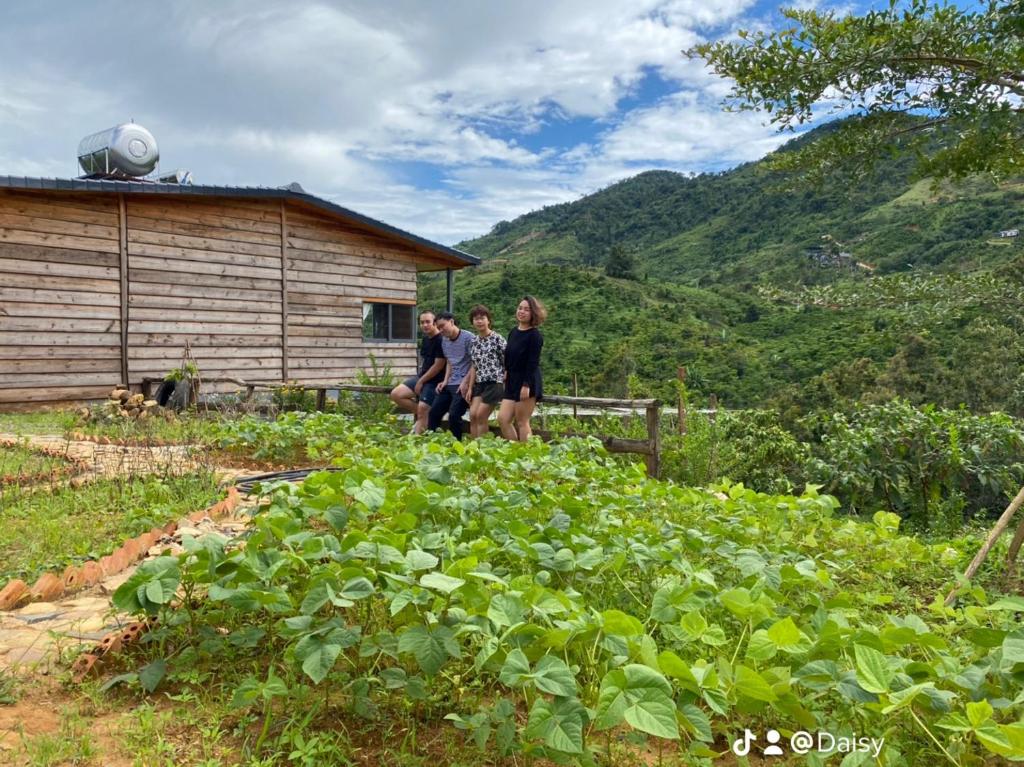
{"type": "Point", "coordinates": [922, 463]}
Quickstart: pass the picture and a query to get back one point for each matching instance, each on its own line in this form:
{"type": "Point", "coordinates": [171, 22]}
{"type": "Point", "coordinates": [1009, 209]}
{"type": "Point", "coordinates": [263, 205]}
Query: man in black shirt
{"type": "Point", "coordinates": [417, 393]}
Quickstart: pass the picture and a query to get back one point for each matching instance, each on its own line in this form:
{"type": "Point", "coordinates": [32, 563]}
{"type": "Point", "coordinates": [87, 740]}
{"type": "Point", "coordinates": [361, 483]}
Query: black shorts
{"type": "Point", "coordinates": [491, 392]}
{"type": "Point", "coordinates": [514, 386]}
{"type": "Point", "coordinates": [427, 394]}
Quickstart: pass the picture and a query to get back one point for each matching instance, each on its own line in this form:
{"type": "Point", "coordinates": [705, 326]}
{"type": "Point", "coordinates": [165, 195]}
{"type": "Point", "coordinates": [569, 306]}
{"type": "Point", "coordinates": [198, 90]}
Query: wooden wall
{"type": "Point", "coordinates": [60, 305]}
{"type": "Point", "coordinates": [214, 272]}
{"type": "Point", "coordinates": [332, 269]}
{"type": "Point", "coordinates": [208, 273]}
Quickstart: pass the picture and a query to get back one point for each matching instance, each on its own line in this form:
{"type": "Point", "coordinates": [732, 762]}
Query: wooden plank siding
{"type": "Point", "coordinates": [331, 269]}
{"type": "Point", "coordinates": [96, 286]}
{"type": "Point", "coordinates": [186, 261]}
{"type": "Point", "coordinates": [60, 285]}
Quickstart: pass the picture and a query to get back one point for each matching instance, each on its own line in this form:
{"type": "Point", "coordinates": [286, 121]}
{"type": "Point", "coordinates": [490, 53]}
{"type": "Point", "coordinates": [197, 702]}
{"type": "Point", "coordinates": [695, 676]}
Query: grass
{"type": "Point", "coordinates": [186, 429]}
{"type": "Point", "coordinates": [47, 532]}
{"type": "Point", "coordinates": [41, 422]}
{"type": "Point", "coordinates": [72, 744]}
{"type": "Point", "coordinates": [19, 463]}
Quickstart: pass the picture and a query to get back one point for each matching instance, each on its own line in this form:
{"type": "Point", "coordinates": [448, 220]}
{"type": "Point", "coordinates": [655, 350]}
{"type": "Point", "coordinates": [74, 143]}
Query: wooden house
{"type": "Point", "coordinates": [103, 282]}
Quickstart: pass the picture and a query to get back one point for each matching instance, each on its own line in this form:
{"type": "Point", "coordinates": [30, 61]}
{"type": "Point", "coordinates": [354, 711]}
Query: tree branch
{"type": "Point", "coordinates": [1006, 78]}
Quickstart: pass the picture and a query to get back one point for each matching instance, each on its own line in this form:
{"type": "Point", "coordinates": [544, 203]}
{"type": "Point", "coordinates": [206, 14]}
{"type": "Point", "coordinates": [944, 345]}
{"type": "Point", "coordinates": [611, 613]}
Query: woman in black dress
{"type": "Point", "coordinates": [523, 386]}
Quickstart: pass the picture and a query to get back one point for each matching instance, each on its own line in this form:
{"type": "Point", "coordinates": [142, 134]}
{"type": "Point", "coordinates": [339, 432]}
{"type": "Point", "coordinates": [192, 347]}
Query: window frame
{"type": "Point", "coordinates": [391, 304]}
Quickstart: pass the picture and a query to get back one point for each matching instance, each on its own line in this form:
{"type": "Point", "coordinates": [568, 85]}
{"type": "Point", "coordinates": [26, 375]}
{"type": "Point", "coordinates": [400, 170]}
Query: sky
{"type": "Point", "coordinates": [441, 118]}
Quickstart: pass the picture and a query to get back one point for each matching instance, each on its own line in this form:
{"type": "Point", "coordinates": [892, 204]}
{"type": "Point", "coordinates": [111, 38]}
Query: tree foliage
{"type": "Point", "coordinates": [947, 81]}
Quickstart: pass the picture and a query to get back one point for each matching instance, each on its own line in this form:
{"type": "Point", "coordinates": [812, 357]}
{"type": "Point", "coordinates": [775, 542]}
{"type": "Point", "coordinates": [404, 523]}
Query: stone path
{"type": "Point", "coordinates": [118, 460]}
{"type": "Point", "coordinates": [33, 637]}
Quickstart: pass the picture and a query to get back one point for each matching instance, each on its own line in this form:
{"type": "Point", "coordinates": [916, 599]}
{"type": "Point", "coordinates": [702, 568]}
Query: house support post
{"type": "Point", "coordinates": [284, 295]}
{"type": "Point", "coordinates": [122, 219]}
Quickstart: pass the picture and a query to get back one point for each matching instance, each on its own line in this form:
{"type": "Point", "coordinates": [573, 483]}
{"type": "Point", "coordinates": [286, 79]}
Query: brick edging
{"type": "Point", "coordinates": [50, 586]}
{"type": "Point", "coordinates": [111, 643]}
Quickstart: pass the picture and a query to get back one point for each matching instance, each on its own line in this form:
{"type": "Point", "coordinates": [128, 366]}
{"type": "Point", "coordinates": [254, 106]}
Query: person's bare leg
{"type": "Point", "coordinates": [422, 409]}
{"type": "Point", "coordinates": [483, 416]}
{"type": "Point", "coordinates": [523, 413]}
{"type": "Point", "coordinates": [506, 415]}
{"type": "Point", "coordinates": [474, 425]}
{"type": "Point", "coordinates": [405, 398]}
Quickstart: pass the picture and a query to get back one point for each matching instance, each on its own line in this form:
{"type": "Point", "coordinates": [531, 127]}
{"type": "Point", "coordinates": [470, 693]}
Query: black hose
{"type": "Point", "coordinates": [245, 485]}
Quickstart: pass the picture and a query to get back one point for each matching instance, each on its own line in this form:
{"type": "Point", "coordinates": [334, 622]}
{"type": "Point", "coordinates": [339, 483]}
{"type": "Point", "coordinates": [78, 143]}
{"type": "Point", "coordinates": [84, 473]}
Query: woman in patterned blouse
{"type": "Point", "coordinates": [487, 375]}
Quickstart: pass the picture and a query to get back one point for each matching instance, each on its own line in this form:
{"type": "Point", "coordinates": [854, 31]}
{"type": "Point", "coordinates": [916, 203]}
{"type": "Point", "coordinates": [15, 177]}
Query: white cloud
{"type": "Point", "coordinates": [340, 94]}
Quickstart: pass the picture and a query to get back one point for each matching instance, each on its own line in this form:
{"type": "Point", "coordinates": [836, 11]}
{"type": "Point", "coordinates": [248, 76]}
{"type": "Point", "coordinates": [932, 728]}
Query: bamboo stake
{"type": "Point", "coordinates": [986, 547]}
{"type": "Point", "coordinates": [680, 405]}
{"type": "Point", "coordinates": [1015, 544]}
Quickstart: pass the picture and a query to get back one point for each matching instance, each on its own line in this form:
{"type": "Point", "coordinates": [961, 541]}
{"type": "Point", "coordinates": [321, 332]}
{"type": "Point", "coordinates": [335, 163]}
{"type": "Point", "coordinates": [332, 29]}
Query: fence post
{"type": "Point", "coordinates": [654, 438]}
{"type": "Point", "coordinates": [575, 393]}
{"type": "Point", "coordinates": [680, 404]}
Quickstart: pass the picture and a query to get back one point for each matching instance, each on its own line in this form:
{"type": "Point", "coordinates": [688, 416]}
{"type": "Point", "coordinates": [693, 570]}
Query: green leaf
{"type": "Point", "coordinates": [554, 677]}
{"type": "Point", "coordinates": [905, 697]}
{"type": "Point", "coordinates": [506, 610]}
{"type": "Point", "coordinates": [694, 624]}
{"type": "Point", "coordinates": [752, 685]}
{"type": "Point", "coordinates": [274, 687]}
{"type": "Point", "coordinates": [247, 692]}
{"type": "Point", "coordinates": [431, 647]}
{"type": "Point", "coordinates": [558, 724]}
{"type": "Point", "coordinates": [788, 638]}
{"type": "Point", "coordinates": [316, 597]}
{"type": "Point", "coordinates": [619, 623]}
{"type": "Point", "coordinates": [760, 647]}
{"type": "Point", "coordinates": [152, 585]}
{"type": "Point", "coordinates": [978, 712]}
{"type": "Point", "coordinates": [1011, 604]}
{"type": "Point", "coordinates": [996, 739]}
{"type": "Point", "coordinates": [1012, 652]}
{"type": "Point", "coordinates": [737, 601]}
{"type": "Point", "coordinates": [697, 722]}
{"type": "Point", "coordinates": [416, 559]}
{"type": "Point", "coordinates": [873, 672]}
{"type": "Point", "coordinates": [356, 588]}
{"type": "Point", "coordinates": [515, 670]}
{"type": "Point", "coordinates": [441, 582]}
{"type": "Point", "coordinates": [370, 495]}
{"type": "Point", "coordinates": [641, 697]}
{"type": "Point", "coordinates": [319, 652]}
{"type": "Point", "coordinates": [151, 675]}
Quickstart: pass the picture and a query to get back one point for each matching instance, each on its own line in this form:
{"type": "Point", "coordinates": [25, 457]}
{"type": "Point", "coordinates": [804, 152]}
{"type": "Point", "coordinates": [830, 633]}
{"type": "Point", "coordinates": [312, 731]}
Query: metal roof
{"type": "Point", "coordinates": [293, 192]}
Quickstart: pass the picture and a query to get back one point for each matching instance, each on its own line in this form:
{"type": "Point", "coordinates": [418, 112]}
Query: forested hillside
{"type": "Point", "coordinates": [770, 294]}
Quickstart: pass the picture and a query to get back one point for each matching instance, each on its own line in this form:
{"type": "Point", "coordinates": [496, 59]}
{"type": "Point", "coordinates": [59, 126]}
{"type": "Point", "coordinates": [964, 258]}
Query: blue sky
{"type": "Point", "coordinates": [442, 118]}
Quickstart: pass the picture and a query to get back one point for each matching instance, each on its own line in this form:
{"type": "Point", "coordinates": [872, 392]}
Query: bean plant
{"type": "Point", "coordinates": [548, 601]}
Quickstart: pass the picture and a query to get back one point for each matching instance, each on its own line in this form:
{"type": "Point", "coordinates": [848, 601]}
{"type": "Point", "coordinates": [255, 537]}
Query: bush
{"type": "Point", "coordinates": [931, 465]}
{"type": "Point", "coordinates": [748, 446]}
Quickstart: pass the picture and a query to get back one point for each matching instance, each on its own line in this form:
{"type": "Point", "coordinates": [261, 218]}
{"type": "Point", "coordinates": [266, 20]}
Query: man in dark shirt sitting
{"type": "Point", "coordinates": [417, 393]}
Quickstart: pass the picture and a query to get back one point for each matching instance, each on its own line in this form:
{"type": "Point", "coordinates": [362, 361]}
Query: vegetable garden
{"type": "Point", "coordinates": [496, 603]}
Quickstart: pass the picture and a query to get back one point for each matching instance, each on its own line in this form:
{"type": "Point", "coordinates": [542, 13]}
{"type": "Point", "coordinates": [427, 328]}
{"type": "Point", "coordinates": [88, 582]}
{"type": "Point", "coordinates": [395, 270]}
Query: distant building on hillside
{"type": "Point", "coordinates": [827, 258]}
{"type": "Point", "coordinates": [1010, 233]}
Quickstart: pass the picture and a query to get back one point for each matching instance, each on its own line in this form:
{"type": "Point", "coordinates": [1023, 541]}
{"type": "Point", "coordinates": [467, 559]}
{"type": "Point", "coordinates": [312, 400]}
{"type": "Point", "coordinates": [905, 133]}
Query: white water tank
{"type": "Point", "coordinates": [126, 149]}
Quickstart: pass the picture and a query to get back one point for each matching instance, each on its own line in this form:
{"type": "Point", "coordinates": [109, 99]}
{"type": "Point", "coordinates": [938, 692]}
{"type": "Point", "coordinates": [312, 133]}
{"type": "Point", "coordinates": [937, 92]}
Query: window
{"type": "Point", "coordinates": [388, 322]}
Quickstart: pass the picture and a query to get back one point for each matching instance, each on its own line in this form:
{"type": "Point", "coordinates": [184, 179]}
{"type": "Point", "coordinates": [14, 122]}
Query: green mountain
{"type": "Point", "coordinates": [770, 293]}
